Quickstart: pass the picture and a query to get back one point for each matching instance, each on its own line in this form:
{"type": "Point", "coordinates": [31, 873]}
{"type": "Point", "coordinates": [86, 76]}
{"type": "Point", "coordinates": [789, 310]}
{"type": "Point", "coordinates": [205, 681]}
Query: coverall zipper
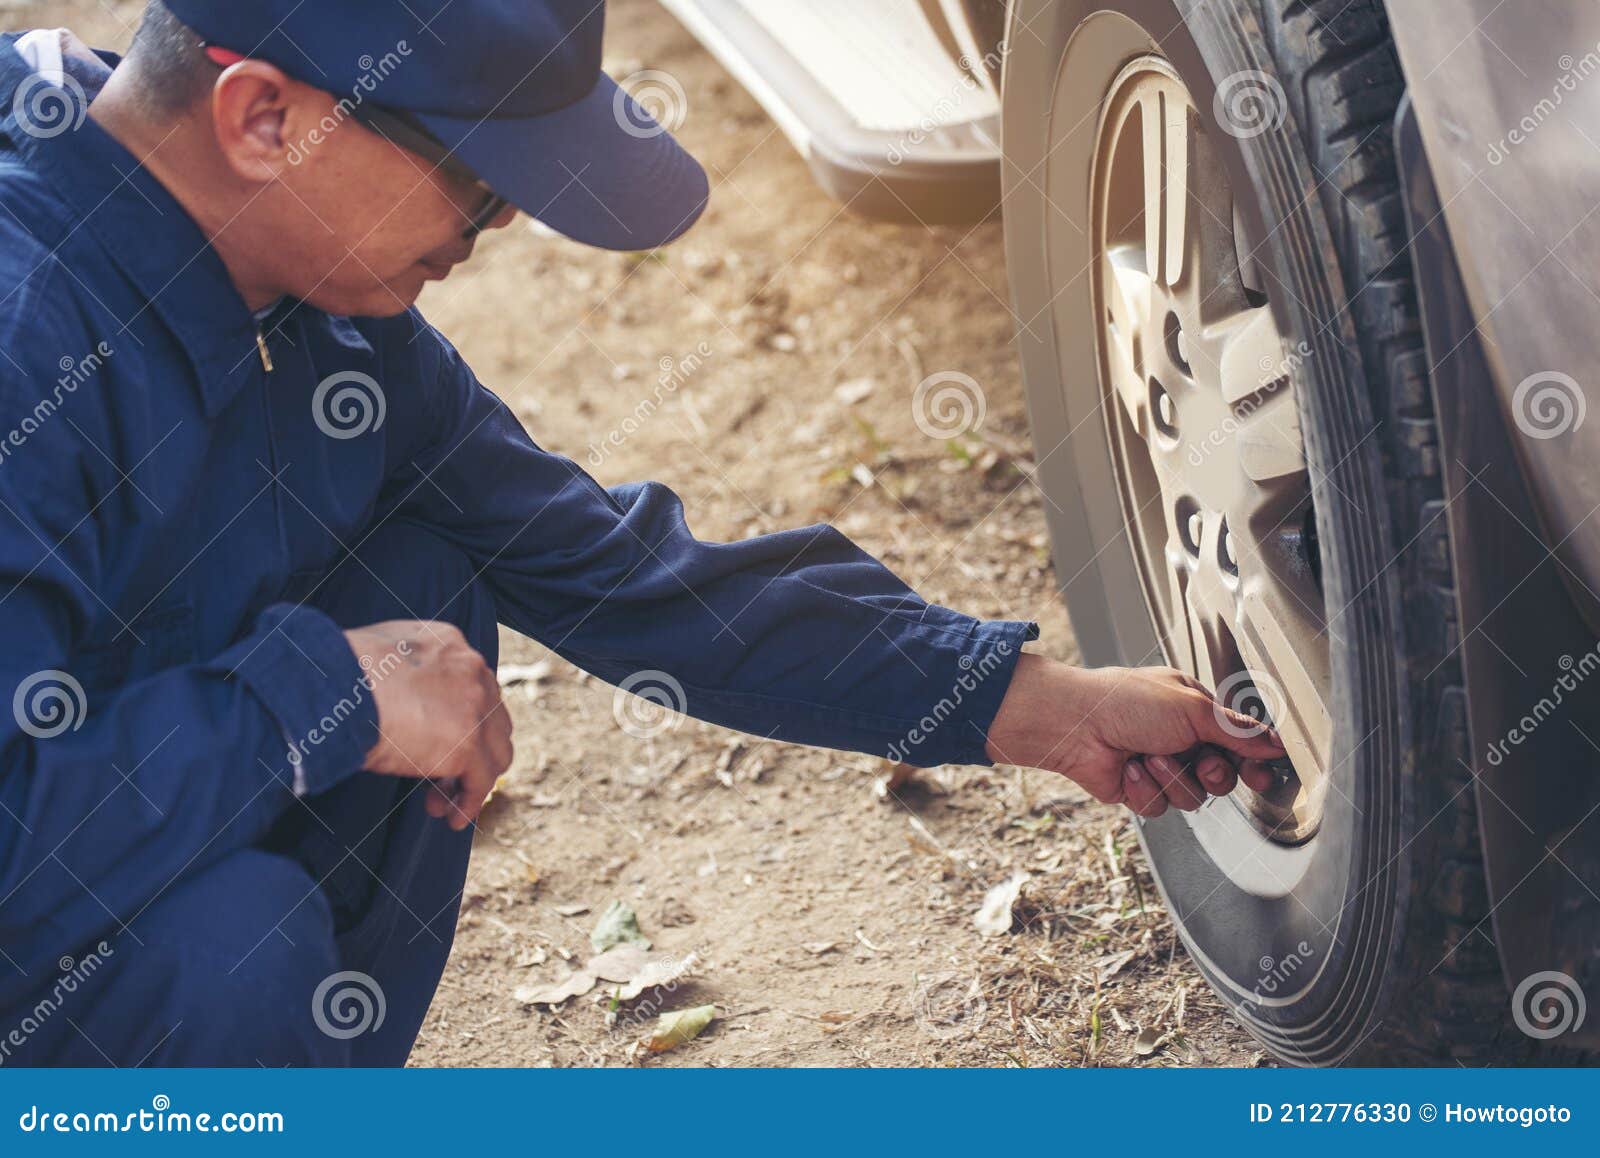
{"type": "Point", "coordinates": [261, 348]}
{"type": "Point", "coordinates": [273, 458]}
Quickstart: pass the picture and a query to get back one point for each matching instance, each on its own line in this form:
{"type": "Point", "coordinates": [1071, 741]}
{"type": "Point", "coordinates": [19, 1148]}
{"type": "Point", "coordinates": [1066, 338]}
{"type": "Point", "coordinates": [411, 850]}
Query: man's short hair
{"type": "Point", "coordinates": [172, 68]}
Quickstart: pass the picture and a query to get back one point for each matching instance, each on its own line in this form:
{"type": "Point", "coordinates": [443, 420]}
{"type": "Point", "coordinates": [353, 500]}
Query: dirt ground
{"type": "Point", "coordinates": [830, 926]}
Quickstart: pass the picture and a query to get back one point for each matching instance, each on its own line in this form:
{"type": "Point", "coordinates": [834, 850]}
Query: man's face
{"type": "Point", "coordinates": [366, 224]}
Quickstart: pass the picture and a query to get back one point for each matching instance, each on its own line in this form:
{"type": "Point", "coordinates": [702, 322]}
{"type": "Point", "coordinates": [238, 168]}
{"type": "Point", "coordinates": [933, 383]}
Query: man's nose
{"type": "Point", "coordinates": [505, 218]}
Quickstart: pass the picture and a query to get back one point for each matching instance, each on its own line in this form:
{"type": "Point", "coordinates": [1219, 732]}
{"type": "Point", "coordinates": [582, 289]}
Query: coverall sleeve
{"type": "Point", "coordinates": [109, 791]}
{"type": "Point", "coordinates": [799, 636]}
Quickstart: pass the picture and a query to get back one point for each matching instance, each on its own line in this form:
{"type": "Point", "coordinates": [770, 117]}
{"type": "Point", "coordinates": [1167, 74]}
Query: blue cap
{"type": "Point", "coordinates": [512, 87]}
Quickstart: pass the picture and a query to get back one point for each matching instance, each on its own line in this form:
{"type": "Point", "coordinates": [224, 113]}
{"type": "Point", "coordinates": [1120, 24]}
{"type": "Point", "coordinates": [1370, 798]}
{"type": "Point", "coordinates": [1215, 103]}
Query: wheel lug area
{"type": "Point", "coordinates": [1177, 343]}
{"type": "Point", "coordinates": [1194, 527]}
{"type": "Point", "coordinates": [1226, 550]}
{"type": "Point", "coordinates": [1166, 410]}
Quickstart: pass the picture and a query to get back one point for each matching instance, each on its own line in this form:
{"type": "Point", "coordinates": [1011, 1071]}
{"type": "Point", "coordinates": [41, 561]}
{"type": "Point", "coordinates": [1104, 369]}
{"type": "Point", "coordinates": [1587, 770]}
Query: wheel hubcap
{"type": "Point", "coordinates": [1205, 435]}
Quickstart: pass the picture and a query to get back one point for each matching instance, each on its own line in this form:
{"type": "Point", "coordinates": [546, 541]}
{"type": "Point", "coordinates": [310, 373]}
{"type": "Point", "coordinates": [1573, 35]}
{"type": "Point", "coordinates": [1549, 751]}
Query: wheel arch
{"type": "Point", "coordinates": [1522, 637]}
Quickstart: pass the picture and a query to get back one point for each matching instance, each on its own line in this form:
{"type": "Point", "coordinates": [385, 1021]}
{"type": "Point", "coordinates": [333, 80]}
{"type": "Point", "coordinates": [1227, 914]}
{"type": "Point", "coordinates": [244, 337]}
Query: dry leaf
{"type": "Point", "coordinates": [572, 985]}
{"type": "Point", "coordinates": [620, 963]}
{"type": "Point", "coordinates": [1149, 1041]}
{"type": "Point", "coordinates": [658, 971]}
{"type": "Point", "coordinates": [1109, 967]}
{"type": "Point", "coordinates": [818, 948]}
{"type": "Point", "coordinates": [995, 917]}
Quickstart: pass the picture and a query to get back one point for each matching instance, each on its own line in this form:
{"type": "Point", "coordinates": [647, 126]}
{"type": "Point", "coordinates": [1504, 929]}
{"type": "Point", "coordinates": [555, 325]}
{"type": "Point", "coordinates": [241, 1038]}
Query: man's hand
{"type": "Point", "coordinates": [1144, 737]}
{"type": "Point", "coordinates": [440, 716]}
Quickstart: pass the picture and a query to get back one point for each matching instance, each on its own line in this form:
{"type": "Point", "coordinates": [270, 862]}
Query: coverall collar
{"type": "Point", "coordinates": [149, 235]}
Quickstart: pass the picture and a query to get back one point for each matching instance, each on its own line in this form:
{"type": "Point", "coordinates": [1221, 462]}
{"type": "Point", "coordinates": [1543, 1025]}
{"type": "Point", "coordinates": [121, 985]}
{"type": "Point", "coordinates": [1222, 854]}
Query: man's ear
{"type": "Point", "coordinates": [252, 112]}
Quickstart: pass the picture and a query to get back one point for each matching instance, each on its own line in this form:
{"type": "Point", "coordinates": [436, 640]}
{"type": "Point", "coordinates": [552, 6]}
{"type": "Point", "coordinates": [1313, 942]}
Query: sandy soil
{"type": "Point", "coordinates": [831, 927]}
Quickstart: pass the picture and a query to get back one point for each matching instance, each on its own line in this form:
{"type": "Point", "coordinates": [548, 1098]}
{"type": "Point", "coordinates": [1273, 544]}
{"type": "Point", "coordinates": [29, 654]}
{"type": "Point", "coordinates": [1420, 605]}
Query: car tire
{"type": "Point", "coordinates": [1396, 963]}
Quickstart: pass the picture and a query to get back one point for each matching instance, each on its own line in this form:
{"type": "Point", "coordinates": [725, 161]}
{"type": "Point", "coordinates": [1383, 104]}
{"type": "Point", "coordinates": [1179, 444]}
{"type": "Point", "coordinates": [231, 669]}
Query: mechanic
{"type": "Point", "coordinates": [260, 522]}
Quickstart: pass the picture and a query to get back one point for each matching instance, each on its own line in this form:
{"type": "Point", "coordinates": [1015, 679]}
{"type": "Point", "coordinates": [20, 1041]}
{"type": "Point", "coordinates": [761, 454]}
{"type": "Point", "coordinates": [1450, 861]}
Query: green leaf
{"type": "Point", "coordinates": [617, 926]}
{"type": "Point", "coordinates": [679, 1026]}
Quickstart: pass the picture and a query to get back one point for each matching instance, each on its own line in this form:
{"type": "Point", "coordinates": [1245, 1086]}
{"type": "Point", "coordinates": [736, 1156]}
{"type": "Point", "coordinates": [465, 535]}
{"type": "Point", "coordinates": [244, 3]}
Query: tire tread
{"type": "Point", "coordinates": [1338, 65]}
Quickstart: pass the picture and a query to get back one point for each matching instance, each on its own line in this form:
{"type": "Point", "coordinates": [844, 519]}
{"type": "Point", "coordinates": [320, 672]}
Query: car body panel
{"type": "Point", "coordinates": [1509, 113]}
{"type": "Point", "coordinates": [1531, 663]}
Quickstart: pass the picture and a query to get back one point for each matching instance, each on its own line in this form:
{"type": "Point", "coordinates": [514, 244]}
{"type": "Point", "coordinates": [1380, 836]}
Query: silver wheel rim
{"type": "Point", "coordinates": [1204, 434]}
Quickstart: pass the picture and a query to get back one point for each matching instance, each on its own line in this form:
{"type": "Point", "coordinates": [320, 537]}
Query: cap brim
{"type": "Point", "coordinates": [601, 170]}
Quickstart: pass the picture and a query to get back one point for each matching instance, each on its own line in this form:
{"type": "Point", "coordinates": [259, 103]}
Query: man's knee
{"type": "Point", "coordinates": [220, 970]}
{"type": "Point", "coordinates": [404, 570]}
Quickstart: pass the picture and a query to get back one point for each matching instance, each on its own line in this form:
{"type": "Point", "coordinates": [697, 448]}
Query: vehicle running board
{"type": "Point", "coordinates": [884, 102]}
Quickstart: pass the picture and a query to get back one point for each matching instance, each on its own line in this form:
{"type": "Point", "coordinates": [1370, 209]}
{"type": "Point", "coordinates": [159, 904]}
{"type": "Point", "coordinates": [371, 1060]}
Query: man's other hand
{"type": "Point", "coordinates": [1147, 737]}
{"type": "Point", "coordinates": [440, 715]}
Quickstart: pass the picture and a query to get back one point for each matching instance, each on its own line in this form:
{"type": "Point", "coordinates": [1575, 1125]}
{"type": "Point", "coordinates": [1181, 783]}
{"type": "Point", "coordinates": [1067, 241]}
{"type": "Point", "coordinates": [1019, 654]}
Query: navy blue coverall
{"type": "Point", "coordinates": [183, 539]}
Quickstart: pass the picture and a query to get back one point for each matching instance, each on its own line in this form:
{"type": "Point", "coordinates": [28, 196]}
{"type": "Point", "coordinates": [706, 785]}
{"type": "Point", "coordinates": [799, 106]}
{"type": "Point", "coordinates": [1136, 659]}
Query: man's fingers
{"type": "Point", "coordinates": [1257, 775]}
{"type": "Point", "coordinates": [438, 796]}
{"type": "Point", "coordinates": [496, 730]}
{"type": "Point", "coordinates": [474, 790]}
{"type": "Point", "coordinates": [1238, 733]}
{"type": "Point", "coordinates": [1215, 772]}
{"type": "Point", "coordinates": [1141, 792]}
{"type": "Point", "coordinates": [1179, 784]}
